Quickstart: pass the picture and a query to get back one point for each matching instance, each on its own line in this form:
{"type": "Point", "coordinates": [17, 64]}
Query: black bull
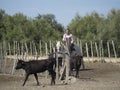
{"type": "Point", "coordinates": [75, 63]}
{"type": "Point", "coordinates": [37, 66]}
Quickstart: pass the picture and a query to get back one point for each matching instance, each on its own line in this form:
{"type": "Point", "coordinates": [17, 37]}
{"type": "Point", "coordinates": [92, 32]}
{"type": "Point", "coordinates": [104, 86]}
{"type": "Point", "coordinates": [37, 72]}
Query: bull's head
{"type": "Point", "coordinates": [20, 64]}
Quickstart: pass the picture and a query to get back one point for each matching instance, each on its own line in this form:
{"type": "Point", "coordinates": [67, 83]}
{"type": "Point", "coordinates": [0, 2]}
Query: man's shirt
{"type": "Point", "coordinates": [68, 36]}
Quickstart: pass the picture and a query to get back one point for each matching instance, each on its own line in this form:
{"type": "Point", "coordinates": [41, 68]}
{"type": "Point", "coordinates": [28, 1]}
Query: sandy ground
{"type": "Point", "coordinates": [96, 76]}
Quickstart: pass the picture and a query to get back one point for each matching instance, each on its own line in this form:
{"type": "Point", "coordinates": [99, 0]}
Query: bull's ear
{"type": "Point", "coordinates": [23, 63]}
{"type": "Point", "coordinates": [18, 60]}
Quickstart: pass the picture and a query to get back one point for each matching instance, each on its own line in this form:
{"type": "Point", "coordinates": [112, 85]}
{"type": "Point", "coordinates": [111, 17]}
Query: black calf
{"type": "Point", "coordinates": [37, 66]}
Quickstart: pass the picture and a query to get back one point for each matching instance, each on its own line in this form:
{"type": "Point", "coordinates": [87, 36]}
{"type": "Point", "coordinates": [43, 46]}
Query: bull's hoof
{"type": "Point", "coordinates": [52, 84]}
{"type": "Point", "coordinates": [23, 85]}
{"type": "Point", "coordinates": [38, 84]}
{"type": "Point", "coordinates": [43, 85]}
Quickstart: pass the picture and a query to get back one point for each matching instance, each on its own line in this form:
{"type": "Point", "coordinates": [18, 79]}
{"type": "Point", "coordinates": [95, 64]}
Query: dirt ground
{"type": "Point", "coordinates": [96, 76]}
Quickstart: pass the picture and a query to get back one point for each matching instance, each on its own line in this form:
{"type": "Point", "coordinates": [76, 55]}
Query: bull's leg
{"type": "Point", "coordinates": [53, 76]}
{"type": "Point", "coordinates": [36, 77]}
{"type": "Point", "coordinates": [82, 62]}
{"type": "Point", "coordinates": [77, 70]}
{"type": "Point", "coordinates": [77, 73]}
{"type": "Point", "coordinates": [78, 65]}
{"type": "Point", "coordinates": [26, 77]}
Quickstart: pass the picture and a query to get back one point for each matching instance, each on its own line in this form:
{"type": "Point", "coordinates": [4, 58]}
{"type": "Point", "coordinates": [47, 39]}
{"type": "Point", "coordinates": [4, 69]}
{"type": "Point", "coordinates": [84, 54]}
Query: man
{"type": "Point", "coordinates": [74, 49]}
{"type": "Point", "coordinates": [68, 35]}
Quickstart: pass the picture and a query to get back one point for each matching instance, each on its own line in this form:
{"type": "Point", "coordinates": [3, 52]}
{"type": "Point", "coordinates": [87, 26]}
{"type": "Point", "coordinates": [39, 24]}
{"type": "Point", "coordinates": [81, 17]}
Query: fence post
{"type": "Point", "coordinates": [91, 49]}
{"type": "Point", "coordinates": [87, 51]}
{"type": "Point", "coordinates": [35, 50]}
{"type": "Point", "coordinates": [57, 74]}
{"type": "Point", "coordinates": [18, 49]}
{"type": "Point", "coordinates": [108, 49]}
{"type": "Point", "coordinates": [50, 47]}
{"type": "Point", "coordinates": [13, 69]}
{"type": "Point", "coordinates": [9, 48]}
{"type": "Point", "coordinates": [22, 51]}
{"type": "Point", "coordinates": [40, 48]}
{"type": "Point", "coordinates": [15, 48]}
{"type": "Point", "coordinates": [81, 46]}
{"type": "Point", "coordinates": [96, 49]}
{"type": "Point", "coordinates": [1, 57]}
{"type": "Point", "coordinates": [31, 53]}
{"type": "Point", "coordinates": [4, 55]}
{"type": "Point", "coordinates": [67, 66]}
{"type": "Point", "coordinates": [100, 49]}
{"type": "Point", "coordinates": [78, 42]}
{"type": "Point", "coordinates": [46, 49]}
{"type": "Point", "coordinates": [26, 52]}
{"type": "Point", "coordinates": [114, 49]}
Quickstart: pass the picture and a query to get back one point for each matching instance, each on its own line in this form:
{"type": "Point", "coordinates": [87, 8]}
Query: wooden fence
{"type": "Point", "coordinates": [92, 51]}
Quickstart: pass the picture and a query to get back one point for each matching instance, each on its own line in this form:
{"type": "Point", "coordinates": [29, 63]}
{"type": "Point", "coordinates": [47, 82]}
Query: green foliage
{"type": "Point", "coordinates": [96, 27]}
{"type": "Point", "coordinates": [20, 28]}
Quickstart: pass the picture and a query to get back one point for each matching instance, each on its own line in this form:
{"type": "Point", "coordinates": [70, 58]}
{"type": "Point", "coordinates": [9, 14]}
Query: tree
{"type": "Point", "coordinates": [2, 26]}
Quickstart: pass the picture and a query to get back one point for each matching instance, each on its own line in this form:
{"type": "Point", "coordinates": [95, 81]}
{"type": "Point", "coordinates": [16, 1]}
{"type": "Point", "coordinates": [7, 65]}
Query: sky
{"type": "Point", "coordinates": [64, 10]}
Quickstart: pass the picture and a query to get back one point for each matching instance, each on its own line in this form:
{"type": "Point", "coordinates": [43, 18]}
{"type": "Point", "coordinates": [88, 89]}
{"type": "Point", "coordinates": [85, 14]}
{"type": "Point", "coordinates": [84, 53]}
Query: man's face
{"type": "Point", "coordinates": [67, 32]}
